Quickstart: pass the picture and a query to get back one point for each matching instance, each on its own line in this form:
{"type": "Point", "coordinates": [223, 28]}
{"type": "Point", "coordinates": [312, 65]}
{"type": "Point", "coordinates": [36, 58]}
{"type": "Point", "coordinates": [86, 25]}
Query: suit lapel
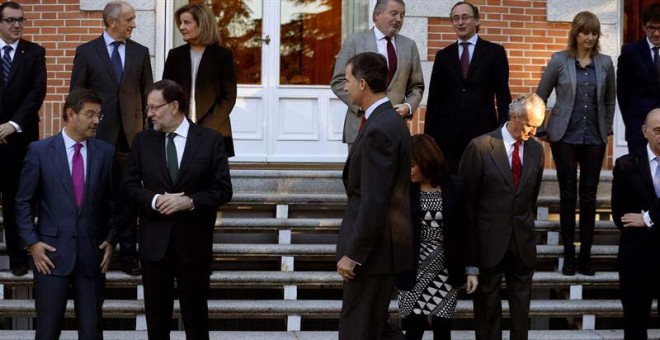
{"type": "Point", "coordinates": [647, 62]}
{"type": "Point", "coordinates": [377, 111]}
{"type": "Point", "coordinates": [192, 144]}
{"type": "Point", "coordinates": [61, 163]}
{"type": "Point", "coordinates": [92, 167]}
{"type": "Point", "coordinates": [645, 174]}
{"type": "Point", "coordinates": [455, 62]}
{"type": "Point", "coordinates": [477, 56]}
{"type": "Point", "coordinates": [370, 44]}
{"type": "Point", "coordinates": [102, 54]}
{"type": "Point", "coordinates": [17, 61]}
{"type": "Point", "coordinates": [158, 143]}
{"type": "Point", "coordinates": [500, 158]}
{"type": "Point", "coordinates": [600, 76]}
{"type": "Point", "coordinates": [572, 74]}
{"type": "Point", "coordinates": [530, 160]}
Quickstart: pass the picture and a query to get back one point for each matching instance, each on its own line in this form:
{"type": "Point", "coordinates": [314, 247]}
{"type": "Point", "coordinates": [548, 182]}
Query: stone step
{"type": "Point", "coordinates": [321, 309]}
{"type": "Point", "coordinates": [316, 279]}
{"type": "Point", "coordinates": [599, 334]}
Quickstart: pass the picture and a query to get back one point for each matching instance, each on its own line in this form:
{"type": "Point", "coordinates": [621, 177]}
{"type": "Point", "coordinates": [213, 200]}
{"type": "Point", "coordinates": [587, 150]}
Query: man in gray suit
{"type": "Point", "coordinates": [502, 172]}
{"type": "Point", "coordinates": [406, 84]}
{"type": "Point", "coordinates": [120, 69]}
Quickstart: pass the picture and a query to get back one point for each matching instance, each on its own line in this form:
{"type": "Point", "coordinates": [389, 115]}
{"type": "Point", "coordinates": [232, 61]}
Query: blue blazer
{"type": "Point", "coordinates": [46, 185]}
{"type": "Point", "coordinates": [638, 88]}
{"type": "Point", "coordinates": [560, 75]}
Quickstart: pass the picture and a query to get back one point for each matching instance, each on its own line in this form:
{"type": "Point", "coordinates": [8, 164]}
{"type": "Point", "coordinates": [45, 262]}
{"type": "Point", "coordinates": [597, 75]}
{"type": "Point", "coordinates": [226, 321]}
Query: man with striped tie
{"type": "Point", "coordinates": [23, 88]}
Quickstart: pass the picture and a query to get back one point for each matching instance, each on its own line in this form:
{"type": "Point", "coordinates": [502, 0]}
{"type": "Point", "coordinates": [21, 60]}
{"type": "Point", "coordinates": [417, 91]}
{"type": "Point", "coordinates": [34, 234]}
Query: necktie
{"type": "Point", "coordinates": [656, 177]}
{"type": "Point", "coordinates": [656, 61]}
{"type": "Point", "coordinates": [362, 122]}
{"type": "Point", "coordinates": [116, 61]}
{"type": "Point", "coordinates": [6, 64]}
{"type": "Point", "coordinates": [391, 59]}
{"type": "Point", "coordinates": [172, 160]}
{"type": "Point", "coordinates": [465, 58]}
{"type": "Point", "coordinates": [77, 173]}
{"type": "Point", "coordinates": [516, 166]}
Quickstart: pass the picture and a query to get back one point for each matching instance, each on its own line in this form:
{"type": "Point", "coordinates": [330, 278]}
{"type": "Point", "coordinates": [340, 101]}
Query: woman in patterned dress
{"type": "Point", "coordinates": [444, 253]}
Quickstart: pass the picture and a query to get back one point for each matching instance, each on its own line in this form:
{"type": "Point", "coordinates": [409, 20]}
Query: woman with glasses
{"type": "Point", "coordinates": [578, 128]}
{"type": "Point", "coordinates": [443, 251]}
{"type": "Point", "coordinates": [205, 70]}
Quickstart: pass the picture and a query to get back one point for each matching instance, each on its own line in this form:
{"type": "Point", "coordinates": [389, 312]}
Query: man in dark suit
{"type": "Point", "coordinates": [375, 239]}
{"type": "Point", "coordinates": [638, 78]}
{"type": "Point", "coordinates": [635, 189]}
{"type": "Point", "coordinates": [405, 81]}
{"type": "Point", "coordinates": [502, 173]}
{"type": "Point", "coordinates": [68, 178]}
{"type": "Point", "coordinates": [467, 77]}
{"type": "Point", "coordinates": [23, 90]}
{"type": "Point", "coordinates": [120, 69]}
{"type": "Point", "coordinates": [178, 176]}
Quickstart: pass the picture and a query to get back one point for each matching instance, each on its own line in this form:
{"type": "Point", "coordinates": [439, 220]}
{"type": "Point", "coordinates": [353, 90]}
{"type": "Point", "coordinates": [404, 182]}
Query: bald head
{"type": "Point", "coordinates": [651, 130]}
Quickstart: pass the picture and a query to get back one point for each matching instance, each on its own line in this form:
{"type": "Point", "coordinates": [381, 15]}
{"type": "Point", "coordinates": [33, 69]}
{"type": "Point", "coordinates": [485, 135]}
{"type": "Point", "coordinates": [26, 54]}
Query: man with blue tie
{"type": "Point", "coordinates": [120, 69]}
{"type": "Point", "coordinates": [636, 212]}
{"type": "Point", "coordinates": [66, 183]}
{"type": "Point", "coordinates": [23, 88]}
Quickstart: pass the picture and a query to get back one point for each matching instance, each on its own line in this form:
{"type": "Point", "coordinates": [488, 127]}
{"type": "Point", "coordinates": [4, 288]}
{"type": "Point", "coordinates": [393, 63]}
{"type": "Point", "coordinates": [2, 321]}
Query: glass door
{"type": "Point", "coordinates": [284, 54]}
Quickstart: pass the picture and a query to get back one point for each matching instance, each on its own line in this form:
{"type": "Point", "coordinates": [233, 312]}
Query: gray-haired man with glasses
{"type": "Point", "coordinates": [638, 78]}
{"type": "Point", "coordinates": [467, 77]}
{"type": "Point", "coordinates": [23, 88]}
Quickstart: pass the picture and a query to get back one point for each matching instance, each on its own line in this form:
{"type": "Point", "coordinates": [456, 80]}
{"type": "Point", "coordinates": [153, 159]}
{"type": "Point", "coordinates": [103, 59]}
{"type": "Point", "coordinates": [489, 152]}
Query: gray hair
{"type": "Point", "coordinates": [112, 10]}
{"type": "Point", "coordinates": [382, 4]}
{"type": "Point", "coordinates": [524, 104]}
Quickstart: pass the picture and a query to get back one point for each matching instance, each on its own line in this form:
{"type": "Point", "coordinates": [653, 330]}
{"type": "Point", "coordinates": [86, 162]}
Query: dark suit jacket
{"type": "Point", "coordinates": [203, 175]}
{"type": "Point", "coordinates": [21, 98]}
{"type": "Point", "coordinates": [459, 252]}
{"type": "Point", "coordinates": [376, 230]}
{"type": "Point", "coordinates": [460, 109]}
{"type": "Point", "coordinates": [215, 86]}
{"type": "Point", "coordinates": [638, 89]}
{"type": "Point", "coordinates": [75, 232]}
{"type": "Point", "coordinates": [561, 76]}
{"type": "Point", "coordinates": [496, 211]}
{"type": "Point", "coordinates": [124, 100]}
{"type": "Point", "coordinates": [632, 192]}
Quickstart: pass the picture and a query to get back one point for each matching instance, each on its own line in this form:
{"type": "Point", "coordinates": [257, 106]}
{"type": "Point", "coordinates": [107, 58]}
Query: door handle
{"type": "Point", "coordinates": [265, 39]}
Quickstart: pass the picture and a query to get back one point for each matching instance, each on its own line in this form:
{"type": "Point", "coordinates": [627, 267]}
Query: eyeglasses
{"type": "Point", "coordinates": [652, 29]}
{"type": "Point", "coordinates": [12, 21]}
{"type": "Point", "coordinates": [92, 115]}
{"type": "Point", "coordinates": [155, 107]}
{"type": "Point", "coordinates": [456, 18]}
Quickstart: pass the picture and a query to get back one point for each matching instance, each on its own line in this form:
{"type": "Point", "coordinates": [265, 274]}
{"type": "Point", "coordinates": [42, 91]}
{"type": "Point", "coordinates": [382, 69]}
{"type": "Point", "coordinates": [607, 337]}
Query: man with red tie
{"type": "Point", "coordinates": [68, 179]}
{"type": "Point", "coordinates": [405, 84]}
{"type": "Point", "coordinates": [502, 173]}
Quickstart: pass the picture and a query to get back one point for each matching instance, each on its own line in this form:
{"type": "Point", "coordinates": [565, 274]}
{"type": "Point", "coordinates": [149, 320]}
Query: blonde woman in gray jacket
{"type": "Point", "coordinates": [578, 128]}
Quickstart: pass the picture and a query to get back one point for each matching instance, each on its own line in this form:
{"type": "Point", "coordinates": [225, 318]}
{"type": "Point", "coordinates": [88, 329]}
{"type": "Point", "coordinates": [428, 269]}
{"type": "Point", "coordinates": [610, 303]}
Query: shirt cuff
{"type": "Point", "coordinates": [647, 219]}
{"type": "Point", "coordinates": [153, 202]}
{"type": "Point", "coordinates": [410, 112]}
{"type": "Point", "coordinates": [16, 126]}
{"type": "Point", "coordinates": [471, 271]}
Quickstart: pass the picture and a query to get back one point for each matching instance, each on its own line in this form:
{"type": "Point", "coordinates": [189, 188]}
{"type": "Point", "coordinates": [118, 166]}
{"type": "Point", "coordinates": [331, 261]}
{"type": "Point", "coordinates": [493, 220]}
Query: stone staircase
{"type": "Point", "coordinates": [273, 274]}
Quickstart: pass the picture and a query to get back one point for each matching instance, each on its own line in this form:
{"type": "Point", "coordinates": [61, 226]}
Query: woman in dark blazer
{"type": "Point", "coordinates": [578, 128]}
{"type": "Point", "coordinates": [442, 245]}
{"type": "Point", "coordinates": [207, 65]}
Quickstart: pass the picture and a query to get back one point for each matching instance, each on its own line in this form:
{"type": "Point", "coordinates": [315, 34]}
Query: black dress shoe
{"type": "Point", "coordinates": [569, 266]}
{"type": "Point", "coordinates": [19, 270]}
{"type": "Point", "coordinates": [130, 266]}
{"type": "Point", "coordinates": [585, 269]}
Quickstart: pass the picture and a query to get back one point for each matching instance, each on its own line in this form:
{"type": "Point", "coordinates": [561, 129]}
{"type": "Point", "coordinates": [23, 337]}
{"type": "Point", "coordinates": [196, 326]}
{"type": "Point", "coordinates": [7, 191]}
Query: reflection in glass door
{"type": "Point", "coordinates": [284, 52]}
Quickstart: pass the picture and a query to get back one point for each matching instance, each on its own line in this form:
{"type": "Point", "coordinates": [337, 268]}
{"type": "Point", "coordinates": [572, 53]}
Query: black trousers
{"type": "Point", "coordinates": [415, 325]}
{"type": "Point", "coordinates": [364, 309]}
{"type": "Point", "coordinates": [567, 158]}
{"type": "Point", "coordinates": [127, 233]}
{"type": "Point", "coordinates": [10, 171]}
{"type": "Point", "coordinates": [488, 304]}
{"type": "Point", "coordinates": [192, 281]}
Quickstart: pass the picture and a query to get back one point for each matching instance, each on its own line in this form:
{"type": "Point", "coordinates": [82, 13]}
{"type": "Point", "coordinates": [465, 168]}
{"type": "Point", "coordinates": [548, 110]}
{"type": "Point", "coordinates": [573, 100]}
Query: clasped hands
{"type": "Point", "coordinates": [168, 204]}
{"type": "Point", "coordinates": [44, 265]}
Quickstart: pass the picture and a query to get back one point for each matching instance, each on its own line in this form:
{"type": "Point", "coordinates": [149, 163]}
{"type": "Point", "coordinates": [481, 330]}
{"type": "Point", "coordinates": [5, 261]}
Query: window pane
{"type": "Point", "coordinates": [311, 36]}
